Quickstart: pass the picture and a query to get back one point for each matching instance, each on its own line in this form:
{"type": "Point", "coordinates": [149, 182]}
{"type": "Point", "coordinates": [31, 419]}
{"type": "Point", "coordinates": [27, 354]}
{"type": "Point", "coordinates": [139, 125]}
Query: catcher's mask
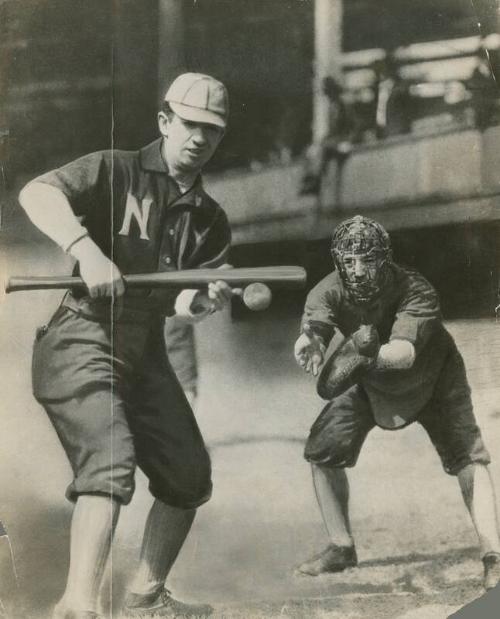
{"type": "Point", "coordinates": [361, 251]}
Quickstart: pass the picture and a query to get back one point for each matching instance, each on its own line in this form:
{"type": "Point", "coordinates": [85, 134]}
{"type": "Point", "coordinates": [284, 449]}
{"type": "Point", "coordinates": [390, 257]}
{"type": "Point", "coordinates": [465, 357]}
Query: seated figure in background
{"type": "Point", "coordinates": [336, 144]}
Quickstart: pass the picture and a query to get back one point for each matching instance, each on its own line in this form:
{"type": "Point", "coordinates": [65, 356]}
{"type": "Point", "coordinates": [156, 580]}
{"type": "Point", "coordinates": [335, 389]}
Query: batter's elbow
{"type": "Point", "coordinates": [29, 196]}
{"type": "Point", "coordinates": [24, 195]}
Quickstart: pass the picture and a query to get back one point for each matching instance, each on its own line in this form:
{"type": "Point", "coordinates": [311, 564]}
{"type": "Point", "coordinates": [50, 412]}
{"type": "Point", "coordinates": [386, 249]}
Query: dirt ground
{"type": "Point", "coordinates": [417, 549]}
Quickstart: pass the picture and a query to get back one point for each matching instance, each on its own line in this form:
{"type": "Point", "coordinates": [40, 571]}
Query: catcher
{"type": "Point", "coordinates": [389, 362]}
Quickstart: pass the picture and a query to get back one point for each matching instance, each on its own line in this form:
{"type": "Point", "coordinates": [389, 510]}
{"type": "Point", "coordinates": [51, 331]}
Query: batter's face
{"type": "Point", "coordinates": [189, 145]}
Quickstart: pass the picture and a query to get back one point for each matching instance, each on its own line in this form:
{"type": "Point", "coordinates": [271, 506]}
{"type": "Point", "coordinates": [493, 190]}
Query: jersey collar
{"type": "Point", "coordinates": [151, 159]}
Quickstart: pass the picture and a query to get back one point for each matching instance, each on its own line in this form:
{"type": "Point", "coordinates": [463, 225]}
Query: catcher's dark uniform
{"type": "Point", "coordinates": [434, 391]}
{"type": "Point", "coordinates": [102, 373]}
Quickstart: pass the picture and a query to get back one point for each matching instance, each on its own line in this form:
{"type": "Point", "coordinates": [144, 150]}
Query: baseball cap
{"type": "Point", "coordinates": [199, 98]}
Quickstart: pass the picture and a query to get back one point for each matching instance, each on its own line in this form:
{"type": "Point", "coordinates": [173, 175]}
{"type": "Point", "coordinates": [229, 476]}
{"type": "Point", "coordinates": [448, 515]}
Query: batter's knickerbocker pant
{"type": "Point", "coordinates": [115, 402]}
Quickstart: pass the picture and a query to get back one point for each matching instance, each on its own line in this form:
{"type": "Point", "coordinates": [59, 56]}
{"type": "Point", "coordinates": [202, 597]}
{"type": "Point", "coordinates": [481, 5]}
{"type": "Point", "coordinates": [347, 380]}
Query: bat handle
{"type": "Point", "coordinates": [15, 284]}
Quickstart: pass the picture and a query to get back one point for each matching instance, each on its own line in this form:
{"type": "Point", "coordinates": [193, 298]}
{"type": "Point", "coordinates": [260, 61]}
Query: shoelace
{"type": "Point", "coordinates": [166, 596]}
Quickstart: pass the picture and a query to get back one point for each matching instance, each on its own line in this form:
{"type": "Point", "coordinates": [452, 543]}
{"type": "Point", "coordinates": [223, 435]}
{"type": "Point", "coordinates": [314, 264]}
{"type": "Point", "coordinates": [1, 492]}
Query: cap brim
{"type": "Point", "coordinates": [197, 115]}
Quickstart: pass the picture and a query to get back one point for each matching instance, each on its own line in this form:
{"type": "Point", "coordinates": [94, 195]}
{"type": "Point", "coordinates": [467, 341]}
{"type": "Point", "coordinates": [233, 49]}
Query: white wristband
{"type": "Point", "coordinates": [183, 305]}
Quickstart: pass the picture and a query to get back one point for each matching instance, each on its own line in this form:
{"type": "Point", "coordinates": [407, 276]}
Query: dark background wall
{"type": "Point", "coordinates": [263, 51]}
{"type": "Point", "coordinates": [390, 23]}
{"type": "Point", "coordinates": [59, 76]}
{"type": "Point", "coordinates": [81, 74]}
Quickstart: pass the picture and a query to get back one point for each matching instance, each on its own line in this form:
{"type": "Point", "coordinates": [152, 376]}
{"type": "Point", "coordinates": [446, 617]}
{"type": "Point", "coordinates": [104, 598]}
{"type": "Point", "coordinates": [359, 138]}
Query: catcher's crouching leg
{"type": "Point", "coordinates": [337, 435]}
{"type": "Point", "coordinates": [334, 443]}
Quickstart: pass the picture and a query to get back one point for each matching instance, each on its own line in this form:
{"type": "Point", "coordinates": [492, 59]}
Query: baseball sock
{"type": "Point", "coordinates": [166, 529]}
{"type": "Point", "coordinates": [92, 527]}
{"type": "Point", "coordinates": [479, 496]}
{"type": "Point", "coordinates": [332, 491]}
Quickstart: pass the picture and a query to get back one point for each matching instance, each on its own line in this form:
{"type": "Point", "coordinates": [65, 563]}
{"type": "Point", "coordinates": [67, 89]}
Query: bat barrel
{"type": "Point", "coordinates": [275, 277]}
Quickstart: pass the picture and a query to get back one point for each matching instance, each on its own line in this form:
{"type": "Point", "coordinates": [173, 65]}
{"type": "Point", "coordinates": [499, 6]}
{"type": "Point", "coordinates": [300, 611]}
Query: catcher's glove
{"type": "Point", "coordinates": [346, 361]}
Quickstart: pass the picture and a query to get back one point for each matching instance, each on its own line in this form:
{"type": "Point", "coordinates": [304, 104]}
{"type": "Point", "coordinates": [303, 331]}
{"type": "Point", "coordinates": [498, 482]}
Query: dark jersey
{"type": "Point", "coordinates": [138, 217]}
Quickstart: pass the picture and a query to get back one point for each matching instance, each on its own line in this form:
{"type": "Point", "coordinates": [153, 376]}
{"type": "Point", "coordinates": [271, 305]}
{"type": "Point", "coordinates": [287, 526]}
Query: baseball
{"type": "Point", "coordinates": [257, 297]}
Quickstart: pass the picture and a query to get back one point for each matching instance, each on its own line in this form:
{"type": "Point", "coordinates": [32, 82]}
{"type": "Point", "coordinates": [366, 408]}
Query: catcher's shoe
{"type": "Point", "coordinates": [164, 605]}
{"type": "Point", "coordinates": [332, 559]}
{"type": "Point", "coordinates": [491, 562]}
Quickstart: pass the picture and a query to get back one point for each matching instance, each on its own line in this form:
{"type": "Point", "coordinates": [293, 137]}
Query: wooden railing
{"type": "Point", "coordinates": [405, 182]}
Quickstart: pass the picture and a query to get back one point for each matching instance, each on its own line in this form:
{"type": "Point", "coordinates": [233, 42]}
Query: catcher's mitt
{"type": "Point", "coordinates": [346, 360]}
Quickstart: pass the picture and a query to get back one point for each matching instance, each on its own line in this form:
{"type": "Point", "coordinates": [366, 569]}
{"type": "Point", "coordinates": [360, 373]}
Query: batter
{"type": "Point", "coordinates": [99, 367]}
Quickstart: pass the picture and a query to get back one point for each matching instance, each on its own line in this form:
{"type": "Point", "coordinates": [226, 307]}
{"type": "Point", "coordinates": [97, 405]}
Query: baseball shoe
{"type": "Point", "coordinates": [76, 614]}
{"type": "Point", "coordinates": [491, 562]}
{"type": "Point", "coordinates": [164, 605]}
{"type": "Point", "coordinates": [66, 613]}
{"type": "Point", "coordinates": [333, 559]}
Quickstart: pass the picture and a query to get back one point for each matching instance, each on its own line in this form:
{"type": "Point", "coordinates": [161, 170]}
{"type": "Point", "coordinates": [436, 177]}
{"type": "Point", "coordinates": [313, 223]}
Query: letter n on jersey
{"type": "Point", "coordinates": [138, 211]}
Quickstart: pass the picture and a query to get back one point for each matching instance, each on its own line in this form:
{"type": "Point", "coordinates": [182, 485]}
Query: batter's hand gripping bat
{"type": "Point", "coordinates": [253, 284]}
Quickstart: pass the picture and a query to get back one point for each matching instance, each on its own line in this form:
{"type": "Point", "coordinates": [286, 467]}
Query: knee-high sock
{"type": "Point", "coordinates": [332, 492]}
{"type": "Point", "coordinates": [166, 529]}
{"type": "Point", "coordinates": [479, 496]}
{"type": "Point", "coordinates": [92, 527]}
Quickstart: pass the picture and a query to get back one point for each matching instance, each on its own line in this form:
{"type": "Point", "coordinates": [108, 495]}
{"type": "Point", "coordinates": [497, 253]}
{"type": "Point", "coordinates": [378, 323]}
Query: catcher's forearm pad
{"type": "Point", "coordinates": [346, 361]}
{"type": "Point", "coordinates": [396, 355]}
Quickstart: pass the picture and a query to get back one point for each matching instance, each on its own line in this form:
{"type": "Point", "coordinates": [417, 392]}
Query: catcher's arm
{"type": "Point", "coordinates": [395, 355]}
{"type": "Point", "coordinates": [309, 350]}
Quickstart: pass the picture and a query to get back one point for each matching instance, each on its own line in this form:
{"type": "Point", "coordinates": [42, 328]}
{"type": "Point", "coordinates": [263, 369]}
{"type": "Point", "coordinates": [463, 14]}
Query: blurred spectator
{"type": "Point", "coordinates": [484, 92]}
{"type": "Point", "coordinates": [293, 128]}
{"type": "Point", "coordinates": [487, 14]}
{"type": "Point", "coordinates": [336, 145]}
{"type": "Point", "coordinates": [393, 101]}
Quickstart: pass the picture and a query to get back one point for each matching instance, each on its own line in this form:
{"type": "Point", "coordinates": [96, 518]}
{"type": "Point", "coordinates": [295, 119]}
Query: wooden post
{"type": "Point", "coordinates": [5, 59]}
{"type": "Point", "coordinates": [134, 72]}
{"type": "Point", "coordinates": [327, 61]}
{"type": "Point", "coordinates": [171, 31]}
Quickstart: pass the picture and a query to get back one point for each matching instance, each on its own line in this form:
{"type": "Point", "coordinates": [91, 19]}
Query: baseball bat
{"type": "Point", "coordinates": [277, 277]}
